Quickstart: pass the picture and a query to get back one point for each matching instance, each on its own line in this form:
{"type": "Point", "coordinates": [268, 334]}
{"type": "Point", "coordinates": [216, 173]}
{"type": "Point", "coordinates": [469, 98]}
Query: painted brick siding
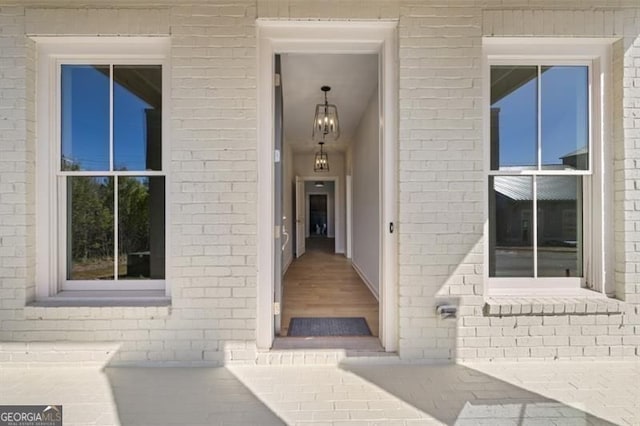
{"type": "Point", "coordinates": [212, 186]}
{"type": "Point", "coordinates": [575, 335]}
{"type": "Point", "coordinates": [627, 165]}
{"type": "Point", "coordinates": [442, 197]}
{"type": "Point", "coordinates": [441, 153]}
{"type": "Point", "coordinates": [441, 181]}
{"type": "Point", "coordinates": [214, 176]}
{"type": "Point", "coordinates": [16, 171]}
{"type": "Point", "coordinates": [213, 180]}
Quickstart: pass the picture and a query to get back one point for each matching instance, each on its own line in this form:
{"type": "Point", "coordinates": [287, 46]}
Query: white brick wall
{"type": "Point", "coordinates": [213, 184]}
{"type": "Point", "coordinates": [16, 170]}
{"type": "Point", "coordinates": [96, 21]}
{"type": "Point", "coordinates": [440, 173]}
{"type": "Point", "coordinates": [627, 156]}
{"type": "Point", "coordinates": [213, 177]}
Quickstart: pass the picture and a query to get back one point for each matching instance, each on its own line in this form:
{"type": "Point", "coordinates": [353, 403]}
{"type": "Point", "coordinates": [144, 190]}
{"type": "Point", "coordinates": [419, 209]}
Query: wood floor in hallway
{"type": "Point", "coordinates": [323, 284]}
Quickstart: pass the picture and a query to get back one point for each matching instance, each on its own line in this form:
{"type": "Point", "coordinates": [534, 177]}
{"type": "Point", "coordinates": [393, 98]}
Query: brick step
{"type": "Point", "coordinates": [324, 357]}
{"type": "Point", "coordinates": [325, 351]}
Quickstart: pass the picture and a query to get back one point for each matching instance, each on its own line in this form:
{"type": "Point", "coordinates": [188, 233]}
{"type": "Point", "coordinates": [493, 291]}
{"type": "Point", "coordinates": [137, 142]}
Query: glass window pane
{"type": "Point", "coordinates": [90, 246]}
{"type": "Point", "coordinates": [141, 227]}
{"type": "Point", "coordinates": [85, 117]}
{"type": "Point", "coordinates": [511, 225]}
{"type": "Point", "coordinates": [514, 111]}
{"type": "Point", "coordinates": [559, 226]}
{"type": "Point", "coordinates": [137, 117]}
{"type": "Point", "coordinates": [565, 117]}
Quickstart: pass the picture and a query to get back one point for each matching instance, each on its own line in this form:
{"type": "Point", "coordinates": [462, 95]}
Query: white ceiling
{"type": "Point", "coordinates": [352, 78]}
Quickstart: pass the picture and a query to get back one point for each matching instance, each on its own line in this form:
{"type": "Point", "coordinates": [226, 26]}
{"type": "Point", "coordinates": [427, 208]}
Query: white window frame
{"type": "Point", "coordinates": [597, 180]}
{"type": "Point", "coordinates": [52, 52]}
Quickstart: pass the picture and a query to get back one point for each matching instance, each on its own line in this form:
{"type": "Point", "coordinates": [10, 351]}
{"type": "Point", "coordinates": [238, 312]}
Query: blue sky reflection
{"type": "Point", "coordinates": [85, 117]}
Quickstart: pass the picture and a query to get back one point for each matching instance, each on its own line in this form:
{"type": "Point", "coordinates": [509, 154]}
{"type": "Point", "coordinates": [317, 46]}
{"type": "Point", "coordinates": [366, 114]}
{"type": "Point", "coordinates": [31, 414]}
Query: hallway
{"type": "Point", "coordinates": [324, 284]}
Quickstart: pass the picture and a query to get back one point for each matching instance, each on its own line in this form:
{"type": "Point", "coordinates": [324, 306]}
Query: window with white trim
{"type": "Point", "coordinates": [544, 198]}
{"type": "Point", "coordinates": [105, 166]}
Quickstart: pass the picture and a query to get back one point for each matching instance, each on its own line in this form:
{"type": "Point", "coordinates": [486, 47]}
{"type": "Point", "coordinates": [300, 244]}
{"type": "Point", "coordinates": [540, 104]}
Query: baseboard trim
{"type": "Point", "coordinates": [286, 266]}
{"type": "Point", "coordinates": [365, 280]}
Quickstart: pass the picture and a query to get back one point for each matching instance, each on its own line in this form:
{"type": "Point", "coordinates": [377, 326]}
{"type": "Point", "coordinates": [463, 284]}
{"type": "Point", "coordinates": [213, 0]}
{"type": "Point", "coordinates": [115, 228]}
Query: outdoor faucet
{"type": "Point", "coordinates": [447, 311]}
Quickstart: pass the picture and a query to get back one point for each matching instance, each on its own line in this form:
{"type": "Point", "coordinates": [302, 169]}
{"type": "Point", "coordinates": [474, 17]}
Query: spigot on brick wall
{"type": "Point", "coordinates": [447, 311]}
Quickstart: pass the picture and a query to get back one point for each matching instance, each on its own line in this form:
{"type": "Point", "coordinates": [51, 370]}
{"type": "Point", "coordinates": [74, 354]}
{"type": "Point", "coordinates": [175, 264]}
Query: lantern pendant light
{"type": "Point", "coordinates": [325, 122]}
{"type": "Point", "coordinates": [321, 162]}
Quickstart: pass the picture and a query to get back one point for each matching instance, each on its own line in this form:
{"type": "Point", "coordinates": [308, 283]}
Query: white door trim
{"type": "Point", "coordinates": [278, 36]}
{"type": "Point", "coordinates": [348, 207]}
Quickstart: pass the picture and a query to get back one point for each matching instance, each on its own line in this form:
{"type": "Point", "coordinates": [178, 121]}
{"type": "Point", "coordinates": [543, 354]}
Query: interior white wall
{"type": "Point", "coordinates": [365, 158]}
{"type": "Point", "coordinates": [303, 166]}
{"type": "Point", "coordinates": [329, 191]}
{"type": "Point", "coordinates": [288, 208]}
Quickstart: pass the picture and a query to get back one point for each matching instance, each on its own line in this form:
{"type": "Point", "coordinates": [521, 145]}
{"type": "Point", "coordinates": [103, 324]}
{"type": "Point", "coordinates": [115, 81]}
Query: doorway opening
{"type": "Point", "coordinates": [318, 216]}
{"type": "Point", "coordinates": [320, 40]}
{"type": "Point", "coordinates": [322, 287]}
{"type": "Point", "coordinates": [320, 233]}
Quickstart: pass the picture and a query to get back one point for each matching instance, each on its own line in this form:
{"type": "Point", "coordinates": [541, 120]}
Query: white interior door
{"type": "Point", "coordinates": [300, 217]}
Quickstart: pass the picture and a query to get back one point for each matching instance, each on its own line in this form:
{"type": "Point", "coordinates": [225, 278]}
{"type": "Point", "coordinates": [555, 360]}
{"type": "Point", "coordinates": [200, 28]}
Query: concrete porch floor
{"type": "Point", "coordinates": [558, 393]}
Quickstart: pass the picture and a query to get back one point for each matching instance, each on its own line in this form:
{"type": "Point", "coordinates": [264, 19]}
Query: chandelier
{"type": "Point", "coordinates": [325, 122]}
{"type": "Point", "coordinates": [321, 162]}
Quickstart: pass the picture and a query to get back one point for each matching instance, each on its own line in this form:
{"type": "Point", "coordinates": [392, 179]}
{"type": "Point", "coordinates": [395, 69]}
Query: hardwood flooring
{"type": "Point", "coordinates": [323, 284]}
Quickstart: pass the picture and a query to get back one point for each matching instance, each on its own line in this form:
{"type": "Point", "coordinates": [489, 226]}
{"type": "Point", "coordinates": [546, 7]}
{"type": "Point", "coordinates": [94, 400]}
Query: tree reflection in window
{"type": "Point", "coordinates": [111, 122]}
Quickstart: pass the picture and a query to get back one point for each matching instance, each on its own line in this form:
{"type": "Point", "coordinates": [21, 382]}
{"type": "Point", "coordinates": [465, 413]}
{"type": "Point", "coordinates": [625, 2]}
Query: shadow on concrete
{"type": "Point", "coordinates": [185, 396]}
{"type": "Point", "coordinates": [458, 395]}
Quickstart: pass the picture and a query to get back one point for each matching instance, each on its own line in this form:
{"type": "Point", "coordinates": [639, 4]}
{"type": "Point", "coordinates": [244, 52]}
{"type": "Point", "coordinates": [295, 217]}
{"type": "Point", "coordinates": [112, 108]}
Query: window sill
{"type": "Point", "coordinates": [570, 302]}
{"type": "Point", "coordinates": [101, 305]}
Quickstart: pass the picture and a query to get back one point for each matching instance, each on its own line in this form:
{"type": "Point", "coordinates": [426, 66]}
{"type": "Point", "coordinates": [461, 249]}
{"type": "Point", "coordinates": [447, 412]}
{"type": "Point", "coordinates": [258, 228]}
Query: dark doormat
{"type": "Point", "coordinates": [304, 327]}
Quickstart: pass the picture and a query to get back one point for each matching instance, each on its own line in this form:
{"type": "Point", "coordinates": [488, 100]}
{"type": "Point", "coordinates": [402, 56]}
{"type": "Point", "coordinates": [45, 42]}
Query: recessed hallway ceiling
{"type": "Point", "coordinates": [352, 78]}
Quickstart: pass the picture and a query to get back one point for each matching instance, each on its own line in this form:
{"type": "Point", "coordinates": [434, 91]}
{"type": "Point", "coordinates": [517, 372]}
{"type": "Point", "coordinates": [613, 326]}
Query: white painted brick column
{"type": "Point", "coordinates": [214, 177]}
{"type": "Point", "coordinates": [16, 171]}
{"type": "Point", "coordinates": [440, 168]}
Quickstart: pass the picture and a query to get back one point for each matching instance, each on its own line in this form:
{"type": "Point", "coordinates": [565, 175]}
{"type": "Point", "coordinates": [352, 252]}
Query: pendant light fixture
{"type": "Point", "coordinates": [325, 122]}
{"type": "Point", "coordinates": [321, 162]}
